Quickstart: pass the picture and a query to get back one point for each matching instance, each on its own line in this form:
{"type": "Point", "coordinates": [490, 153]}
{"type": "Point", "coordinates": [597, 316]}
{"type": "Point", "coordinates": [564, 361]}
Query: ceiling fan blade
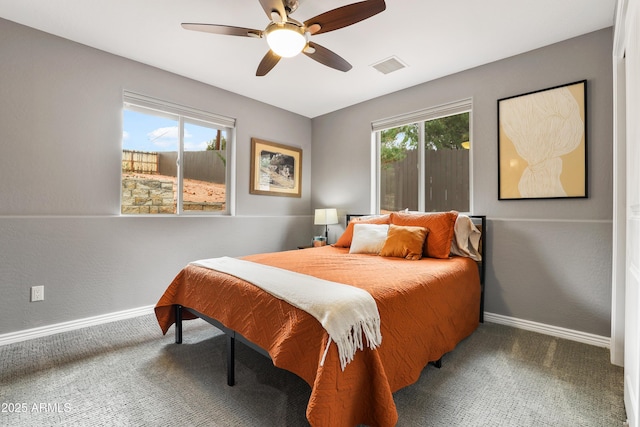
{"type": "Point", "coordinates": [268, 62]}
{"type": "Point", "coordinates": [277, 6]}
{"type": "Point", "coordinates": [344, 16]}
{"type": "Point", "coordinates": [327, 57]}
{"type": "Point", "coordinates": [223, 29]}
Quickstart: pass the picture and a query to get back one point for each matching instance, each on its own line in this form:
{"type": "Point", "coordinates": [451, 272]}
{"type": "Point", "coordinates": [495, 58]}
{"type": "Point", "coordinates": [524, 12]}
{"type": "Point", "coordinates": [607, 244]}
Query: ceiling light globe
{"type": "Point", "coordinates": [286, 40]}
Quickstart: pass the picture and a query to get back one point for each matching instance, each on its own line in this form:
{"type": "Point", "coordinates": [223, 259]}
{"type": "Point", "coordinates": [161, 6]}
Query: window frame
{"type": "Point", "coordinates": [419, 116]}
{"type": "Point", "coordinates": [148, 105]}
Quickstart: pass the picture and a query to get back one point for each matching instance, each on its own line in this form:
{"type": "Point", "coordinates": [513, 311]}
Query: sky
{"type": "Point", "coordinates": [146, 132]}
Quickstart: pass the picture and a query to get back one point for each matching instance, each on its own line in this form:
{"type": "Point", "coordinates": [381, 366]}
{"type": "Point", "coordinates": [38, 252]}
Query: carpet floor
{"type": "Point", "coordinates": [127, 374]}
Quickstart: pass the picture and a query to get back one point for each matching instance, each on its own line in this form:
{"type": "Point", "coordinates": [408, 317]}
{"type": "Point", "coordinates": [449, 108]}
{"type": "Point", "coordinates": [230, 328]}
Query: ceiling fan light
{"type": "Point", "coordinates": [286, 40]}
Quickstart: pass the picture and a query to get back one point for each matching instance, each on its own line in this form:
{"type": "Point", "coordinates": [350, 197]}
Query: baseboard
{"type": "Point", "coordinates": [72, 325]}
{"type": "Point", "coordinates": [528, 325]}
{"type": "Point", "coordinates": [555, 331]}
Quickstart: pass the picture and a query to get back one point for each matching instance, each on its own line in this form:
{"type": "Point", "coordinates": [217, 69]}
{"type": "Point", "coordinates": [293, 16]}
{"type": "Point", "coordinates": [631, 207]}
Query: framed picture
{"type": "Point", "coordinates": [542, 144]}
{"type": "Point", "coordinates": [276, 169]}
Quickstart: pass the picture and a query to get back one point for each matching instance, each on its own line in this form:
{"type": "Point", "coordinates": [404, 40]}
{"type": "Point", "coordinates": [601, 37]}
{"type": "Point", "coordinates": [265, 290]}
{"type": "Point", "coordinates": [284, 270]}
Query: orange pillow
{"type": "Point", "coordinates": [440, 226]}
{"type": "Point", "coordinates": [404, 242]}
{"type": "Point", "coordinates": [345, 240]}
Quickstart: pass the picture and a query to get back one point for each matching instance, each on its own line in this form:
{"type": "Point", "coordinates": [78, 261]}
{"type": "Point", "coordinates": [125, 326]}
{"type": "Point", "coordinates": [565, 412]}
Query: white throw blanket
{"type": "Point", "coordinates": [345, 312]}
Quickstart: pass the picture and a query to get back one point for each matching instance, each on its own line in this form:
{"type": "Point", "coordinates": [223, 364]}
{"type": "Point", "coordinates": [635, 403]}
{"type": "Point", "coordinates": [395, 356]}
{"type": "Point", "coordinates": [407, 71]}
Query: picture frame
{"type": "Point", "coordinates": [276, 169]}
{"type": "Point", "coordinates": [542, 144]}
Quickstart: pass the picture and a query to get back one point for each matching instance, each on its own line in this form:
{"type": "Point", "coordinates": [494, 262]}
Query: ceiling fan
{"type": "Point", "coordinates": [287, 37]}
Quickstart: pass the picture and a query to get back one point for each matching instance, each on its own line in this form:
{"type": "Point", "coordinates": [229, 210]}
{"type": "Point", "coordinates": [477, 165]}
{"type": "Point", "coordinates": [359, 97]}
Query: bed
{"type": "Point", "coordinates": [426, 307]}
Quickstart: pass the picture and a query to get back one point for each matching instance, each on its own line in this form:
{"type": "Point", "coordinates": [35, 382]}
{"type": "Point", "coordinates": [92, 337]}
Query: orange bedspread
{"type": "Point", "coordinates": [426, 307]}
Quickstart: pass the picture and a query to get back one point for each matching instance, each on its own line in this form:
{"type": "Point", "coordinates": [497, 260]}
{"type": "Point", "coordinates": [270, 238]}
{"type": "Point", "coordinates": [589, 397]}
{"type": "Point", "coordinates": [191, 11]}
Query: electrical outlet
{"type": "Point", "coordinates": [37, 293]}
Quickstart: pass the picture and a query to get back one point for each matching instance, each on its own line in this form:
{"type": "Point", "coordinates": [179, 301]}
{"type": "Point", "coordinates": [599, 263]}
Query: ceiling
{"type": "Point", "coordinates": [434, 38]}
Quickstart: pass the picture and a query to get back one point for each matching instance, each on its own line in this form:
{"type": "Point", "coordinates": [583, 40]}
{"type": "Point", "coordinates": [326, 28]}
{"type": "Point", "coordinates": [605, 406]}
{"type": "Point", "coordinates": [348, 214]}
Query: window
{"type": "Point", "coordinates": [175, 159]}
{"type": "Point", "coordinates": [423, 160]}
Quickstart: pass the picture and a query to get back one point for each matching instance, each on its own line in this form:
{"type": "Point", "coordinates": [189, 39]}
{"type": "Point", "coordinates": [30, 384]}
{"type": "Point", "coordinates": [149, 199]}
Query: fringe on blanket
{"type": "Point", "coordinates": [352, 341]}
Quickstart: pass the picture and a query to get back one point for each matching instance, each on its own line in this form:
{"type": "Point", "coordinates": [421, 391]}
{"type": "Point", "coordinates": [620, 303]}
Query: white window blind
{"type": "Point", "coordinates": [430, 113]}
{"type": "Point", "coordinates": [131, 100]}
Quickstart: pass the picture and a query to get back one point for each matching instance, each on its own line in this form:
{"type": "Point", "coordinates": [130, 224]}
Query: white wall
{"type": "Point", "coordinates": [60, 150]}
{"type": "Point", "coordinates": [549, 260]}
{"type": "Point", "coordinates": [627, 220]}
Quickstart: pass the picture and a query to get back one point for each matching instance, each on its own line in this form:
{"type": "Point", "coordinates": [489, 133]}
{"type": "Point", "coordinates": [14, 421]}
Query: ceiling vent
{"type": "Point", "coordinates": [389, 65]}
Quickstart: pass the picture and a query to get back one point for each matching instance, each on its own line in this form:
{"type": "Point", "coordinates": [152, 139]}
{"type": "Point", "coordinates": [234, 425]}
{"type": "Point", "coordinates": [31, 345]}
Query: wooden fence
{"type": "Point", "coordinates": [446, 182]}
{"type": "Point", "coordinates": [140, 161]}
{"type": "Point", "coordinates": [207, 165]}
{"type": "Point", "coordinates": [201, 165]}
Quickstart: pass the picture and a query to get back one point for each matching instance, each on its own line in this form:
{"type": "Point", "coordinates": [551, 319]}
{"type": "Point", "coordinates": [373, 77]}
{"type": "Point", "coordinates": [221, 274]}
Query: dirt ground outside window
{"type": "Point", "coordinates": [194, 190]}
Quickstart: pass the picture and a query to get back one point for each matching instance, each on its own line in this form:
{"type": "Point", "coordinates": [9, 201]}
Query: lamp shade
{"type": "Point", "coordinates": [285, 39]}
{"type": "Point", "coordinates": [325, 216]}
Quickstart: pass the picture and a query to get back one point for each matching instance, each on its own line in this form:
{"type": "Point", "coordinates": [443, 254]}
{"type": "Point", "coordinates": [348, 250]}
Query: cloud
{"type": "Point", "coordinates": [193, 146]}
{"type": "Point", "coordinates": [125, 135]}
{"type": "Point", "coordinates": [166, 136]}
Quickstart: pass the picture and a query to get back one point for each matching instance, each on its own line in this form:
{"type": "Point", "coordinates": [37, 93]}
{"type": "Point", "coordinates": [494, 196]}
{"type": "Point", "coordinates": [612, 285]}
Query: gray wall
{"type": "Point", "coordinates": [61, 102]}
{"type": "Point", "coordinates": [60, 152]}
{"type": "Point", "coordinates": [549, 260]}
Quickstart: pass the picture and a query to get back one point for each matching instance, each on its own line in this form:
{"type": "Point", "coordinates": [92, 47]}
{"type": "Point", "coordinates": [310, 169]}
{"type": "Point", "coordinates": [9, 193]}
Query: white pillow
{"type": "Point", "coordinates": [368, 238]}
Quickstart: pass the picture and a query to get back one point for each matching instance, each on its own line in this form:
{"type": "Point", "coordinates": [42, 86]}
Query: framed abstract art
{"type": "Point", "coordinates": [542, 144]}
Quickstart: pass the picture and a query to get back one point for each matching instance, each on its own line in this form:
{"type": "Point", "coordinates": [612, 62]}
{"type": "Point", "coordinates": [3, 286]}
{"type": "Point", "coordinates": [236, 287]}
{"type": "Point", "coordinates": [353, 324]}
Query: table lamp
{"type": "Point", "coordinates": [326, 217]}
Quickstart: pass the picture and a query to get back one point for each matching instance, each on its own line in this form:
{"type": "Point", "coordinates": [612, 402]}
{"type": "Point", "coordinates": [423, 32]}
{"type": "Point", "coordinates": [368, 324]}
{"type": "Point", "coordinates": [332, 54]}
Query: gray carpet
{"type": "Point", "coordinates": [126, 373]}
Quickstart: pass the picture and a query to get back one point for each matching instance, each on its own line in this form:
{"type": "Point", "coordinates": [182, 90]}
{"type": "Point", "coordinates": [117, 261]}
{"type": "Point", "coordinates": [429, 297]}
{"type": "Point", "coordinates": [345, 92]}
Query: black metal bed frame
{"type": "Point", "coordinates": [232, 335]}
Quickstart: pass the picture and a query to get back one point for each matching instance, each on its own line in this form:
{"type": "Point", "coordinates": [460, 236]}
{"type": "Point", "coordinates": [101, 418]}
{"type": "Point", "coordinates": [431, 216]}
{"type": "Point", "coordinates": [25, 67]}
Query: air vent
{"type": "Point", "coordinates": [389, 65]}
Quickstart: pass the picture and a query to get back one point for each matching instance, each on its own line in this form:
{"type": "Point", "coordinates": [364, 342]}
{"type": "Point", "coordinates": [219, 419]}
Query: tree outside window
{"type": "Point", "coordinates": [430, 156]}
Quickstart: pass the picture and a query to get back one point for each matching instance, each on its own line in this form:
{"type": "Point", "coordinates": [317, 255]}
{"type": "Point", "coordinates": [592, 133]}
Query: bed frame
{"type": "Point", "coordinates": [232, 336]}
{"type": "Point", "coordinates": [478, 220]}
